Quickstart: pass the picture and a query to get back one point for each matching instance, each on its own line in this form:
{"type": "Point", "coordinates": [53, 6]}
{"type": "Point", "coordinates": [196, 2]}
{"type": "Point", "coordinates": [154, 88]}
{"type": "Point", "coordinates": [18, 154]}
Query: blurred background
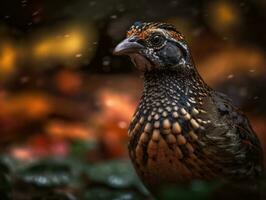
{"type": "Point", "coordinates": [66, 101]}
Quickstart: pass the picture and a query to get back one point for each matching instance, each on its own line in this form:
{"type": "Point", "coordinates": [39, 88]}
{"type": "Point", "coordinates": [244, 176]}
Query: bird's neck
{"type": "Point", "coordinates": [171, 84]}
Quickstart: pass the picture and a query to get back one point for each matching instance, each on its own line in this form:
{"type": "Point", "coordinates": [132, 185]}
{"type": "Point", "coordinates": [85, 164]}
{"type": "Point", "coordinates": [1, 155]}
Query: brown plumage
{"type": "Point", "coordinates": [183, 130]}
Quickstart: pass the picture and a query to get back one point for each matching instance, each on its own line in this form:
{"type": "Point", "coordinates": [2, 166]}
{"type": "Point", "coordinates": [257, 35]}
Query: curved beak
{"type": "Point", "coordinates": [127, 46]}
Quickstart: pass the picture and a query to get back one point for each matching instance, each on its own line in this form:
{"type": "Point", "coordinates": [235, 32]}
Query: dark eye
{"type": "Point", "coordinates": [156, 40]}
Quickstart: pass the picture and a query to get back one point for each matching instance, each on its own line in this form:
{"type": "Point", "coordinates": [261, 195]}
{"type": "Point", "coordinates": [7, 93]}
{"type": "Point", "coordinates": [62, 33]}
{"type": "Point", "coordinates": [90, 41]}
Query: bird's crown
{"type": "Point", "coordinates": [144, 29]}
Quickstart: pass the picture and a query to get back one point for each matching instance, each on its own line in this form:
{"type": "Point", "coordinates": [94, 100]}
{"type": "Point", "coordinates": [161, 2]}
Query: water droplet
{"type": "Point", "coordinates": [122, 124]}
{"type": "Point", "coordinates": [197, 32]}
{"type": "Point", "coordinates": [174, 3]}
{"type": "Point", "coordinates": [24, 79]}
{"type": "Point", "coordinates": [121, 8]}
{"type": "Point", "coordinates": [92, 3]}
{"type": "Point", "coordinates": [36, 13]}
{"type": "Point", "coordinates": [113, 16]}
{"type": "Point", "coordinates": [230, 76]}
{"type": "Point", "coordinates": [106, 61]}
{"type": "Point", "coordinates": [225, 38]}
{"type": "Point", "coordinates": [243, 92]}
{"type": "Point", "coordinates": [78, 55]}
{"type": "Point", "coordinates": [24, 3]}
{"type": "Point", "coordinates": [242, 4]}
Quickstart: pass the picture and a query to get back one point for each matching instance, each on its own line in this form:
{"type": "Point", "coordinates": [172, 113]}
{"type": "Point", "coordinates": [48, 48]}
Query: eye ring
{"type": "Point", "coordinates": [156, 40]}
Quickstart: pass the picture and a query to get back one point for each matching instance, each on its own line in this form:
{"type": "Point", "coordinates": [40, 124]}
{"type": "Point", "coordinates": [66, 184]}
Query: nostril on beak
{"type": "Point", "coordinates": [132, 39]}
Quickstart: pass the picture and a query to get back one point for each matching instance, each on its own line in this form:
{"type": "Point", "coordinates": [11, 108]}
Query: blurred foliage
{"type": "Point", "coordinates": [197, 190]}
{"type": "Point", "coordinates": [71, 178]}
{"type": "Point", "coordinates": [46, 174]}
{"type": "Point", "coordinates": [103, 193]}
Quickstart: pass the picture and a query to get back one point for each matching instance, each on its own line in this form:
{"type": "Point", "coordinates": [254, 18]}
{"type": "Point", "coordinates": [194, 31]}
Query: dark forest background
{"type": "Point", "coordinates": [66, 101]}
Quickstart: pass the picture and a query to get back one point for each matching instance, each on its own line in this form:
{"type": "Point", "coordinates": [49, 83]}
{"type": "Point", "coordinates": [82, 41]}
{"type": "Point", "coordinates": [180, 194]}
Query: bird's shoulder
{"type": "Point", "coordinates": [228, 111]}
{"type": "Point", "coordinates": [231, 123]}
{"type": "Point", "coordinates": [236, 119]}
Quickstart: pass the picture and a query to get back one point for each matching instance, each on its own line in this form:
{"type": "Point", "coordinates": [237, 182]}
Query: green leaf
{"type": "Point", "coordinates": [46, 174]}
{"type": "Point", "coordinates": [5, 186]}
{"type": "Point", "coordinates": [5, 180]}
{"type": "Point", "coordinates": [80, 148]}
{"type": "Point", "coordinates": [7, 164]}
{"type": "Point", "coordinates": [197, 190]}
{"type": "Point", "coordinates": [116, 174]}
{"type": "Point", "coordinates": [104, 194]}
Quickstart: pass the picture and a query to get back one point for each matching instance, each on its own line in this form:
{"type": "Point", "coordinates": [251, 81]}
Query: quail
{"type": "Point", "coordinates": [182, 129]}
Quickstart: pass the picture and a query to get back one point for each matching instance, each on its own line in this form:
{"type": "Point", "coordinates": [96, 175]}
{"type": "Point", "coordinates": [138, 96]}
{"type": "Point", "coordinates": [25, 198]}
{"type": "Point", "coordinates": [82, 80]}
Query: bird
{"type": "Point", "coordinates": [182, 129]}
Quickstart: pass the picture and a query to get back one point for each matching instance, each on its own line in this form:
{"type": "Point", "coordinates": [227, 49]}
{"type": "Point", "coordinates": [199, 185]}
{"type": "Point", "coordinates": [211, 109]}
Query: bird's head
{"type": "Point", "coordinates": [155, 46]}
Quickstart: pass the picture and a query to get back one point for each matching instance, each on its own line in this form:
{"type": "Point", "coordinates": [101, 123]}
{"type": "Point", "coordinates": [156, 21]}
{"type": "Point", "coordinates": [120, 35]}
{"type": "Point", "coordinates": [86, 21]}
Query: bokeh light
{"type": "Point", "coordinates": [8, 57]}
{"type": "Point", "coordinates": [223, 16]}
{"type": "Point", "coordinates": [60, 46]}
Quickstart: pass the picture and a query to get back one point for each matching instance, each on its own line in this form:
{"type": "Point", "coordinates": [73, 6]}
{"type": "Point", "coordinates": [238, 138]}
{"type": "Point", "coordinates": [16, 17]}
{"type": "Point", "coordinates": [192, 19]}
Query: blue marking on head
{"type": "Point", "coordinates": [138, 24]}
